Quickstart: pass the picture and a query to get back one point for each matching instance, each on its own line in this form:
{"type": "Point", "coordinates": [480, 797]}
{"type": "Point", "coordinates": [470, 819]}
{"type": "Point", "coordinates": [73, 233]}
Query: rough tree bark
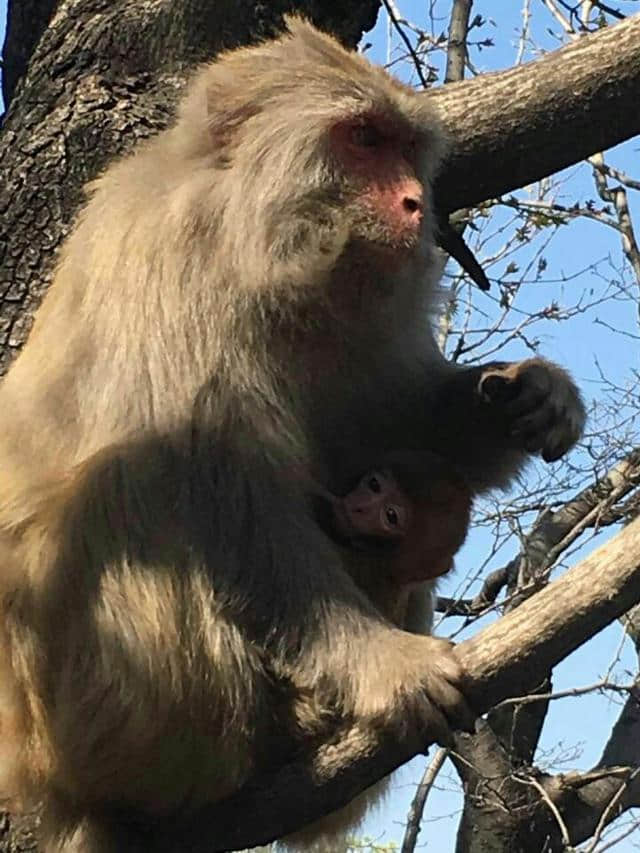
{"type": "Point", "coordinates": [85, 79]}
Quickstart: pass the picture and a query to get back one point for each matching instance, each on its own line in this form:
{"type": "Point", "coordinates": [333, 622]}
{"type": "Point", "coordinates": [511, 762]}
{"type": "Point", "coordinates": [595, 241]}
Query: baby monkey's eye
{"type": "Point", "coordinates": [366, 136]}
{"type": "Point", "coordinates": [392, 516]}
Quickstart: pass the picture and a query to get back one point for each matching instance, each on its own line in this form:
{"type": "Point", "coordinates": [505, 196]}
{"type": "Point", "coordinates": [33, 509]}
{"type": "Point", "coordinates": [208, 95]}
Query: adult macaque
{"type": "Point", "coordinates": [247, 294]}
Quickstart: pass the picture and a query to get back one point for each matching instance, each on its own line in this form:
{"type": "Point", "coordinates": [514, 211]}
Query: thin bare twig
{"type": "Point", "coordinates": [564, 832]}
{"type": "Point", "coordinates": [418, 803]}
{"type": "Point", "coordinates": [396, 18]}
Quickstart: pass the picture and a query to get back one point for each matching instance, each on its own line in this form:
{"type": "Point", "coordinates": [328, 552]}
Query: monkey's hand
{"type": "Point", "coordinates": [415, 684]}
{"type": "Point", "coordinates": [443, 704]}
{"type": "Point", "coordinates": [537, 403]}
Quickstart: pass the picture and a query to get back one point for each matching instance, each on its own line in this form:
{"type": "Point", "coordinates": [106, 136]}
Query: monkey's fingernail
{"type": "Point", "coordinates": [552, 454]}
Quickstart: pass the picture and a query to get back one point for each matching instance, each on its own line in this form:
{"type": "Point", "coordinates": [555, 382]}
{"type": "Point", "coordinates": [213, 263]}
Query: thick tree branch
{"type": "Point", "coordinates": [573, 102]}
{"type": "Point", "coordinates": [486, 770]}
{"type": "Point", "coordinates": [520, 648]}
{"type": "Point", "coordinates": [503, 660]}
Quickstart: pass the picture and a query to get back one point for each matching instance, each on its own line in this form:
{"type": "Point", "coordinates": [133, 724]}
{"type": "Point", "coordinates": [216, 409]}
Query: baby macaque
{"type": "Point", "coordinates": [419, 529]}
{"type": "Point", "coordinates": [401, 525]}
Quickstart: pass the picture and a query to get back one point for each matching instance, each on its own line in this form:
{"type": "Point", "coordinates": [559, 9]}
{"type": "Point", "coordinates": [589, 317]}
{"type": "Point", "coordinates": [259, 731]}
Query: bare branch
{"type": "Point", "coordinates": [418, 802]}
{"type": "Point", "coordinates": [457, 47]}
{"type": "Point", "coordinates": [397, 20]}
{"type": "Point", "coordinates": [584, 90]}
{"type": "Point", "coordinates": [553, 532]}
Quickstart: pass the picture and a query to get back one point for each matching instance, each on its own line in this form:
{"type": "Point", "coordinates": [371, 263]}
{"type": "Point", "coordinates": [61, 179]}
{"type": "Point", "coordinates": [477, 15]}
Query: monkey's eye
{"type": "Point", "coordinates": [374, 484]}
{"type": "Point", "coordinates": [392, 516]}
{"type": "Point", "coordinates": [366, 136]}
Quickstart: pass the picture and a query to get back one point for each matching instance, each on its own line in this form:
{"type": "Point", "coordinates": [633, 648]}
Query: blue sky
{"type": "Point", "coordinates": [579, 725]}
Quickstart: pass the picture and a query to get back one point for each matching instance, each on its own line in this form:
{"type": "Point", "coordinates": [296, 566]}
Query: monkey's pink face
{"type": "Point", "coordinates": [378, 507]}
{"type": "Point", "coordinates": [379, 163]}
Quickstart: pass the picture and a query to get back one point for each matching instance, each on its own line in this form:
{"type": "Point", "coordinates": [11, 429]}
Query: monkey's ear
{"type": "Point", "coordinates": [217, 106]}
{"type": "Point", "coordinates": [225, 119]}
{"type": "Point", "coordinates": [301, 30]}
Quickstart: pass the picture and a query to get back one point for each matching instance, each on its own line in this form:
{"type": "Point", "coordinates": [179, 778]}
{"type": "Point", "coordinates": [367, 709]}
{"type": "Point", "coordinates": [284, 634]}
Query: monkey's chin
{"type": "Point", "coordinates": [394, 260]}
{"type": "Point", "coordinates": [389, 250]}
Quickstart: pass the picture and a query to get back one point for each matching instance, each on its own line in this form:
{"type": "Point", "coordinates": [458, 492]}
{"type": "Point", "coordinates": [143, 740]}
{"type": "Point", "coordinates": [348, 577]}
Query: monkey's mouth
{"type": "Point", "coordinates": [386, 236]}
{"type": "Point", "coordinates": [388, 242]}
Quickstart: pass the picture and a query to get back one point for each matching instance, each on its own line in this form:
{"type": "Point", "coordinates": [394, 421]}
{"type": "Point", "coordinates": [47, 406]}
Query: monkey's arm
{"type": "Point", "coordinates": [490, 417]}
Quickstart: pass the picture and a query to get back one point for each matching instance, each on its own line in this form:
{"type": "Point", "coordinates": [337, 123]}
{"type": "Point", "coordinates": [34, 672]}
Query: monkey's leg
{"type": "Point", "coordinates": [331, 833]}
{"type": "Point", "coordinates": [289, 592]}
{"type": "Point", "coordinates": [143, 694]}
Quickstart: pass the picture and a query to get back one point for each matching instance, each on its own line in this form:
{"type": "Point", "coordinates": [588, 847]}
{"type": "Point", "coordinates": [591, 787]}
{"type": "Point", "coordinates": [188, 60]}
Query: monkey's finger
{"type": "Point", "coordinates": [436, 726]}
{"type": "Point", "coordinates": [464, 717]}
{"type": "Point", "coordinates": [532, 430]}
{"type": "Point", "coordinates": [533, 397]}
{"type": "Point", "coordinates": [459, 713]}
{"type": "Point", "coordinates": [447, 710]}
{"type": "Point", "coordinates": [441, 646]}
{"type": "Point", "coordinates": [446, 692]}
{"type": "Point", "coordinates": [552, 455]}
